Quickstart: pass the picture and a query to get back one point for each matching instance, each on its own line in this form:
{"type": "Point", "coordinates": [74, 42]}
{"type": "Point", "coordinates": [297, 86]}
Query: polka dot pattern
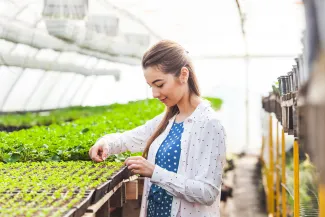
{"type": "Point", "coordinates": [167, 157]}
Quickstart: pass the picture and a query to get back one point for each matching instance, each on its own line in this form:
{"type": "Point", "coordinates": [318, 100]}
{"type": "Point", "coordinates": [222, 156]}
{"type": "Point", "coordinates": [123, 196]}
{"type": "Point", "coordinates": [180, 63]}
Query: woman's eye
{"type": "Point", "coordinates": [160, 85]}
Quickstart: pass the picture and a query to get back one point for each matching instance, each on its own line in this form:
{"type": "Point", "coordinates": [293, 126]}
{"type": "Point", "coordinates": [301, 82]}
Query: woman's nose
{"type": "Point", "coordinates": [155, 93]}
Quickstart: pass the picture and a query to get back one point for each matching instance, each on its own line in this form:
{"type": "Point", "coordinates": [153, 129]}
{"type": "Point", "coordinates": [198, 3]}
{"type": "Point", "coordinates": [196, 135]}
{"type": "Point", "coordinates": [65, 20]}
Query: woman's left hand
{"type": "Point", "coordinates": [139, 165]}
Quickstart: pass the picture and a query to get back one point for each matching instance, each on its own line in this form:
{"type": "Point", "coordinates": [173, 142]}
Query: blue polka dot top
{"type": "Point", "coordinates": [167, 157]}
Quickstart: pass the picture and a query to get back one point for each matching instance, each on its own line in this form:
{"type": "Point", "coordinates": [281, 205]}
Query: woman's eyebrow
{"type": "Point", "coordinates": [156, 81]}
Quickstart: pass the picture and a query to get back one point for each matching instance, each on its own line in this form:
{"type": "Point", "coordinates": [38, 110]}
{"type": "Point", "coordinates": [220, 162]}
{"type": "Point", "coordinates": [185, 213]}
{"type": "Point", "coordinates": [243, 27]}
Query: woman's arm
{"type": "Point", "coordinates": [206, 185]}
{"type": "Point", "coordinates": [133, 140]}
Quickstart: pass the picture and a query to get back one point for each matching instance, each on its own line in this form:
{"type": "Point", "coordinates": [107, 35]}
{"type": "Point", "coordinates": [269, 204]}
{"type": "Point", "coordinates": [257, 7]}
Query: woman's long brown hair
{"type": "Point", "coordinates": [169, 57]}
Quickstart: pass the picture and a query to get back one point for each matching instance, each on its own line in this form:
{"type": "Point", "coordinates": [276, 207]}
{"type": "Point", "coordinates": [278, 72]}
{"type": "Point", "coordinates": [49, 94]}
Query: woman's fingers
{"type": "Point", "coordinates": [135, 171]}
{"type": "Point", "coordinates": [131, 162]}
{"type": "Point", "coordinates": [139, 165]}
{"type": "Point", "coordinates": [134, 166]}
{"type": "Point", "coordinates": [96, 153]}
{"type": "Point", "coordinates": [104, 153]}
{"type": "Point", "coordinates": [135, 159]}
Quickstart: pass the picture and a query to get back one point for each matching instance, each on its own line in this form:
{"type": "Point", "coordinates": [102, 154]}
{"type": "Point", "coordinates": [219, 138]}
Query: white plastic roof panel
{"type": "Point", "coordinates": [24, 50]}
{"type": "Point", "coordinates": [103, 95]}
{"type": "Point", "coordinates": [22, 90]}
{"type": "Point", "coordinates": [76, 58]}
{"type": "Point", "coordinates": [72, 90]}
{"type": "Point", "coordinates": [58, 90]}
{"type": "Point", "coordinates": [83, 90]}
{"type": "Point", "coordinates": [7, 46]}
{"type": "Point", "coordinates": [274, 27]}
{"type": "Point", "coordinates": [45, 85]}
{"type": "Point", "coordinates": [48, 55]}
{"type": "Point", "coordinates": [8, 77]}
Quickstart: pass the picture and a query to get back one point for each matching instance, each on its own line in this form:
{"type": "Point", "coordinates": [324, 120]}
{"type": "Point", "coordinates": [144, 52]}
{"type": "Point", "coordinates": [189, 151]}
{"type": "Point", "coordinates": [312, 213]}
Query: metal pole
{"type": "Point", "coordinates": [321, 200]}
{"type": "Point", "coordinates": [284, 180]}
{"type": "Point", "coordinates": [277, 171]}
{"type": "Point", "coordinates": [296, 177]}
{"type": "Point", "coordinates": [271, 170]}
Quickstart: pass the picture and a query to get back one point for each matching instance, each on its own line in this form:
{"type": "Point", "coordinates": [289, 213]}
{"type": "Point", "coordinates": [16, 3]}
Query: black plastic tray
{"type": "Point", "coordinates": [70, 213]}
{"type": "Point", "coordinates": [100, 191]}
{"type": "Point", "coordinates": [81, 208]}
{"type": "Point", "coordinates": [118, 177]}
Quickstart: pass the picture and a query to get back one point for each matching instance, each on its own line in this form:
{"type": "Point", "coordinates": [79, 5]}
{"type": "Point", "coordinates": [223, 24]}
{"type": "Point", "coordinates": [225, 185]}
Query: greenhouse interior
{"type": "Point", "coordinates": [83, 119]}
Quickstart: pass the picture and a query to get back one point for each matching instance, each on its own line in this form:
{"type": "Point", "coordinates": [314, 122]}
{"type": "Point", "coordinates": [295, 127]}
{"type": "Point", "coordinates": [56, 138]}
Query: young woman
{"type": "Point", "coordinates": [183, 148]}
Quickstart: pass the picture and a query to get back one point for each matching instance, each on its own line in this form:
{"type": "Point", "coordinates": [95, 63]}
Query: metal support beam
{"type": "Point", "coordinates": [271, 167]}
{"type": "Point", "coordinates": [321, 196]}
{"type": "Point", "coordinates": [33, 63]}
{"type": "Point", "coordinates": [284, 179]}
{"type": "Point", "coordinates": [296, 178]}
{"type": "Point", "coordinates": [60, 45]}
{"type": "Point", "coordinates": [277, 214]}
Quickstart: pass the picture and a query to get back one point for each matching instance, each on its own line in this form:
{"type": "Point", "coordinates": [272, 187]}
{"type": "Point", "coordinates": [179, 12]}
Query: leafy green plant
{"type": "Point", "coordinates": [60, 185]}
{"type": "Point", "coordinates": [308, 186]}
{"type": "Point", "coordinates": [72, 140]}
{"type": "Point", "coordinates": [45, 170]}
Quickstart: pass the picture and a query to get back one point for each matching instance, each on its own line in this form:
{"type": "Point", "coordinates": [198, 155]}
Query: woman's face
{"type": "Point", "coordinates": [165, 87]}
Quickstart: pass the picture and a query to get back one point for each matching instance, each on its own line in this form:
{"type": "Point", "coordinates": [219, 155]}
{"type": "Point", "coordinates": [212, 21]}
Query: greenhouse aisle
{"type": "Point", "coordinates": [246, 200]}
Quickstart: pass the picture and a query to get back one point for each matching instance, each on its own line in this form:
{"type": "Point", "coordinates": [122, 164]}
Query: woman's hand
{"type": "Point", "coordinates": [99, 151]}
{"type": "Point", "coordinates": [139, 165]}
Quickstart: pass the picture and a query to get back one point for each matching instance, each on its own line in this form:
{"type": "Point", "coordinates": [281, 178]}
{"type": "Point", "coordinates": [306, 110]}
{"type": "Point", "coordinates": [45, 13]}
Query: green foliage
{"type": "Point", "coordinates": [308, 186]}
{"type": "Point", "coordinates": [42, 188]}
{"type": "Point", "coordinates": [67, 114]}
{"type": "Point", "coordinates": [46, 118]}
{"type": "Point", "coordinates": [215, 102]}
{"type": "Point", "coordinates": [71, 140]}
{"type": "Point", "coordinates": [42, 172]}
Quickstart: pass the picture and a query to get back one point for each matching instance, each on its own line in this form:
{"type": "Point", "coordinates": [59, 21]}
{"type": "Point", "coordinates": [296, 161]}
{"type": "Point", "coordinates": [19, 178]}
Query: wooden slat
{"type": "Point", "coordinates": [131, 190]}
{"type": "Point", "coordinates": [91, 211]}
{"type": "Point", "coordinates": [140, 185]}
{"type": "Point", "coordinates": [118, 198]}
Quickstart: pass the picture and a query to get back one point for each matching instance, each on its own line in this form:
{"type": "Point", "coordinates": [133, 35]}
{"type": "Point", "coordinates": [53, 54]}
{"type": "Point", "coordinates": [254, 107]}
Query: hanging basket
{"type": "Point", "coordinates": [103, 24]}
{"type": "Point", "coordinates": [65, 19]}
{"type": "Point", "coordinates": [139, 39]}
{"type": "Point", "coordinates": [70, 30]}
{"type": "Point", "coordinates": [65, 9]}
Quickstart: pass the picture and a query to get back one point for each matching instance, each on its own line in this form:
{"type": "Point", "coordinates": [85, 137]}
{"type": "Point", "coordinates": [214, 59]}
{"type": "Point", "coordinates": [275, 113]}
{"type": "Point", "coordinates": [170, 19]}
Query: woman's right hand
{"type": "Point", "coordinates": [99, 151]}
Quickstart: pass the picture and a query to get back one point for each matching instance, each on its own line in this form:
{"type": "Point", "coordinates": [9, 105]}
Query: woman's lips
{"type": "Point", "coordinates": [163, 100]}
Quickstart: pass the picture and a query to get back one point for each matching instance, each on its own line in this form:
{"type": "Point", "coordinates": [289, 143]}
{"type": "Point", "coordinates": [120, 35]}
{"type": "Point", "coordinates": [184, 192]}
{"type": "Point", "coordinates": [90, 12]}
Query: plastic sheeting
{"type": "Point", "coordinates": [211, 30]}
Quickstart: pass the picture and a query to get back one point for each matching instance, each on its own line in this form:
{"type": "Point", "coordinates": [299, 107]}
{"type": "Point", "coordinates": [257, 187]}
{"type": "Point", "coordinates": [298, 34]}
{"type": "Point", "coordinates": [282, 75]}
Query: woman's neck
{"type": "Point", "coordinates": [186, 107]}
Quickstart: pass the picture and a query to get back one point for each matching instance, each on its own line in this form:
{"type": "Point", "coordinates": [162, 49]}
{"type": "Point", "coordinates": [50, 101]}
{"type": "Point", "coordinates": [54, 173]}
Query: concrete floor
{"type": "Point", "coordinates": [246, 200]}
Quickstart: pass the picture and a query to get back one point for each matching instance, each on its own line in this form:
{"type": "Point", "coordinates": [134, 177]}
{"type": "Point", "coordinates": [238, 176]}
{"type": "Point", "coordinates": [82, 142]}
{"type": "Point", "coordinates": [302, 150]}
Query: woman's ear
{"type": "Point", "coordinates": [183, 77]}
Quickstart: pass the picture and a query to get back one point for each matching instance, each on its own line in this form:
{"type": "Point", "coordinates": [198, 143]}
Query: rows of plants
{"type": "Point", "coordinates": [46, 170]}
{"type": "Point", "coordinates": [72, 140]}
{"type": "Point", "coordinates": [29, 119]}
{"type": "Point", "coordinates": [51, 188]}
